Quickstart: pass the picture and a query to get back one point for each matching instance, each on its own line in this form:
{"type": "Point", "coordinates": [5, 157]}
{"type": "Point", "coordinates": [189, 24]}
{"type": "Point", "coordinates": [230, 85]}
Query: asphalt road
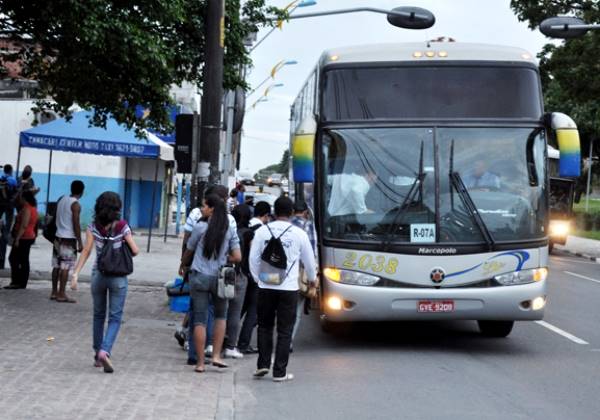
{"type": "Point", "coordinates": [446, 370]}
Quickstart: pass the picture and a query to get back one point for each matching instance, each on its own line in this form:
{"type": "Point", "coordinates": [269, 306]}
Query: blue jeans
{"type": "Point", "coordinates": [115, 289]}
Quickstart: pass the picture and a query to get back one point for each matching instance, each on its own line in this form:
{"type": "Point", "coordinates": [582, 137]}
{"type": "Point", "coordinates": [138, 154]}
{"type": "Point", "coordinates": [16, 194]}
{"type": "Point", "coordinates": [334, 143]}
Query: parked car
{"type": "Point", "coordinates": [275, 180]}
{"type": "Point", "coordinates": [246, 179]}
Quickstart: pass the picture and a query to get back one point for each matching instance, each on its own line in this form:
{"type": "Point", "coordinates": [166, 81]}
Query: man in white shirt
{"type": "Point", "coordinates": [278, 297]}
{"type": "Point", "coordinates": [348, 193]}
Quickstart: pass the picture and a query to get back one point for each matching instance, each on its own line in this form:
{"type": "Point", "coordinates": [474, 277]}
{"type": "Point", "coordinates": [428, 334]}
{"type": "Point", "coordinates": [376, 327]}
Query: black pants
{"type": "Point", "coordinates": [6, 212]}
{"type": "Point", "coordinates": [19, 263]}
{"type": "Point", "coordinates": [280, 304]}
{"type": "Point", "coordinates": [249, 315]}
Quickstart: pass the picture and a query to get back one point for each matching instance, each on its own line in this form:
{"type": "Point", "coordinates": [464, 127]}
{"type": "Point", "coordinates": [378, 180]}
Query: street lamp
{"type": "Point", "coordinates": [290, 9]}
{"type": "Point", "coordinates": [275, 85]}
{"type": "Point", "coordinates": [565, 27]}
{"type": "Point", "coordinates": [274, 71]}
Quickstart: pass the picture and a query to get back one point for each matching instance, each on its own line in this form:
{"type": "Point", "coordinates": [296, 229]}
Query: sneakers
{"type": "Point", "coordinates": [208, 350]}
{"type": "Point", "coordinates": [259, 373]}
{"type": "Point", "coordinates": [248, 350]}
{"type": "Point", "coordinates": [287, 377]}
{"type": "Point", "coordinates": [180, 337]}
{"type": "Point", "coordinates": [233, 353]}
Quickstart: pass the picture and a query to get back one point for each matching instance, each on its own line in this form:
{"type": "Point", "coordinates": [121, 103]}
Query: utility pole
{"type": "Point", "coordinates": [212, 92]}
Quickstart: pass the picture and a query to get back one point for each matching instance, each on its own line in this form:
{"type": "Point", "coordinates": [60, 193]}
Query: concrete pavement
{"type": "Point", "coordinates": [46, 362]}
{"type": "Point", "coordinates": [150, 269]}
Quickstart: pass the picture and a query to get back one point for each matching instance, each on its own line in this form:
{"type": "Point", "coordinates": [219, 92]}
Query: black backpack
{"type": "Point", "coordinates": [113, 261]}
{"type": "Point", "coordinates": [246, 235]}
{"type": "Point", "coordinates": [7, 192]}
{"type": "Point", "coordinates": [274, 254]}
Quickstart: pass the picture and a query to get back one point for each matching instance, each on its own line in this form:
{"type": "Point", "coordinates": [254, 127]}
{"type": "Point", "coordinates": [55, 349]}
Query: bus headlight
{"type": "Point", "coordinates": [523, 276]}
{"type": "Point", "coordinates": [559, 227]}
{"type": "Point", "coordinates": [350, 277]}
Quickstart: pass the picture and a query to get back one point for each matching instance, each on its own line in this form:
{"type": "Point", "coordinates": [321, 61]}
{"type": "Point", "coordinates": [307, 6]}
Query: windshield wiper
{"type": "Point", "coordinates": [458, 184]}
{"type": "Point", "coordinates": [412, 192]}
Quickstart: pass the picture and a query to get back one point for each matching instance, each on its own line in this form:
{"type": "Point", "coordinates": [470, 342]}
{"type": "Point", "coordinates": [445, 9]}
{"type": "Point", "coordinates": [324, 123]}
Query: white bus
{"type": "Point", "coordinates": [426, 168]}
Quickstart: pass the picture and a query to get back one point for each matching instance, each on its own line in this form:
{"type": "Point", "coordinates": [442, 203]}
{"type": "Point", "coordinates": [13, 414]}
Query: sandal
{"type": "Point", "coordinates": [199, 369]}
{"type": "Point", "coordinates": [66, 300]}
{"type": "Point", "coordinates": [220, 365]}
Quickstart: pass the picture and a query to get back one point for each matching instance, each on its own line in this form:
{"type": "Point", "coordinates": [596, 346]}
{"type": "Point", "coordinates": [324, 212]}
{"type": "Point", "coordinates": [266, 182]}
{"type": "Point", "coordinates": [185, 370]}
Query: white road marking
{"type": "Point", "coordinates": [561, 332]}
{"type": "Point", "coordinates": [582, 277]}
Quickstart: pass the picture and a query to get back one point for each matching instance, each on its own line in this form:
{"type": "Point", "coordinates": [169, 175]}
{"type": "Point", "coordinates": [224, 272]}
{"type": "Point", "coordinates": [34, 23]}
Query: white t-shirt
{"type": "Point", "coordinates": [297, 250]}
{"type": "Point", "coordinates": [195, 215]}
{"type": "Point", "coordinates": [348, 193]}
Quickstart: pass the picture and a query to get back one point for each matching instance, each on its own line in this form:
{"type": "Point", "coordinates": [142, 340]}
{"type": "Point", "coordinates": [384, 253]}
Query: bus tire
{"type": "Point", "coordinates": [550, 247]}
{"type": "Point", "coordinates": [498, 329]}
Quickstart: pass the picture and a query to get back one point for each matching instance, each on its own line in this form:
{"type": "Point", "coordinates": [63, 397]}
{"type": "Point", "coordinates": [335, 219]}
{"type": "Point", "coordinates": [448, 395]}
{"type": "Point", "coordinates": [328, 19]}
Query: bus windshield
{"type": "Point", "coordinates": [410, 92]}
{"type": "Point", "coordinates": [394, 184]}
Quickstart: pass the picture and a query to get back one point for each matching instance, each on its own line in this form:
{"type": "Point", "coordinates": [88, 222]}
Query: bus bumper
{"type": "Point", "coordinates": [362, 303]}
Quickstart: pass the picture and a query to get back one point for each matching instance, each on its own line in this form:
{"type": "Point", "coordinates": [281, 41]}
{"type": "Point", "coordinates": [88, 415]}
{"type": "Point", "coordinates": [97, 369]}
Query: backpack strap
{"type": "Point", "coordinates": [282, 233]}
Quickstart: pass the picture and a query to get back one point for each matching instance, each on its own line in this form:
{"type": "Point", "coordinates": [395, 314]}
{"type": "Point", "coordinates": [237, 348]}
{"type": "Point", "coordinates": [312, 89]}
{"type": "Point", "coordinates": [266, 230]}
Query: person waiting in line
{"type": "Point", "coordinates": [107, 222]}
{"type": "Point", "coordinates": [262, 215]}
{"type": "Point", "coordinates": [242, 215]}
{"type": "Point", "coordinates": [8, 192]}
{"type": "Point", "coordinates": [302, 220]}
{"type": "Point", "coordinates": [210, 246]}
{"type": "Point", "coordinates": [68, 241]}
{"type": "Point", "coordinates": [193, 218]}
{"type": "Point", "coordinates": [278, 287]}
{"type": "Point", "coordinates": [481, 178]}
{"type": "Point", "coordinates": [24, 236]}
{"type": "Point", "coordinates": [232, 200]}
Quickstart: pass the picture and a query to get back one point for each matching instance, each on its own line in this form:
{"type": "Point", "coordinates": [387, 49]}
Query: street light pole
{"type": "Point", "coordinates": [212, 95]}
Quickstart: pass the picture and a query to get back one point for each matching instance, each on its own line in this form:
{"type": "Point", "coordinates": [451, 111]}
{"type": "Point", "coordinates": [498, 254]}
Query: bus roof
{"type": "Point", "coordinates": [409, 52]}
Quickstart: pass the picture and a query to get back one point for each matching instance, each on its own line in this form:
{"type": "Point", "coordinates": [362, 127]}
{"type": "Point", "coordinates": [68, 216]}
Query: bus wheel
{"type": "Point", "coordinates": [550, 247]}
{"type": "Point", "coordinates": [495, 328]}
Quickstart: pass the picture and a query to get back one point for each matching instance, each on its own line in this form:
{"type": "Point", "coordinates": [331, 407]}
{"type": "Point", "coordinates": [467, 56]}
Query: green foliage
{"type": "Point", "coordinates": [284, 165]}
{"type": "Point", "coordinates": [570, 70]}
{"type": "Point", "coordinates": [280, 168]}
{"type": "Point", "coordinates": [106, 53]}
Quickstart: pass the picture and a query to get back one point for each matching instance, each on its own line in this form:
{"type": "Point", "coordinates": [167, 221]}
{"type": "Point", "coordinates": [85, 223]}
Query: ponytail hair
{"type": "Point", "coordinates": [217, 227]}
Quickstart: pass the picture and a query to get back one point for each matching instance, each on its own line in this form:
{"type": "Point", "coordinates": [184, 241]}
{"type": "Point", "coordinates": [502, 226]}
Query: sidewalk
{"type": "Point", "coordinates": [582, 247]}
{"type": "Point", "coordinates": [46, 362]}
{"type": "Point", "coordinates": [150, 269]}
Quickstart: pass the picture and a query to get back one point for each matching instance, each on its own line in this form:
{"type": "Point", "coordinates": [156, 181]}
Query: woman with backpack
{"type": "Point", "coordinates": [24, 234]}
{"type": "Point", "coordinates": [211, 244]}
{"type": "Point", "coordinates": [106, 229]}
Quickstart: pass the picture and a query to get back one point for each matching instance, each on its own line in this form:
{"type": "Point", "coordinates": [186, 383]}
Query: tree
{"type": "Point", "coordinates": [106, 54]}
{"type": "Point", "coordinates": [569, 71]}
{"type": "Point", "coordinates": [284, 165]}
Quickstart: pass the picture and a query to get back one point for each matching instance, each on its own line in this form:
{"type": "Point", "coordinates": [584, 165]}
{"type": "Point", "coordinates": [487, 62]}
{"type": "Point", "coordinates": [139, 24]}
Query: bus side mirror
{"type": "Point", "coordinates": [303, 146]}
{"type": "Point", "coordinates": [567, 136]}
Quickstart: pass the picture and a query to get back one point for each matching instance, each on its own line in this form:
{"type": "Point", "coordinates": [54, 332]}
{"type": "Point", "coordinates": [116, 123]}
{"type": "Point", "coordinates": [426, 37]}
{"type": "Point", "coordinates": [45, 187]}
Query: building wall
{"type": "Point", "coordinates": [99, 173]}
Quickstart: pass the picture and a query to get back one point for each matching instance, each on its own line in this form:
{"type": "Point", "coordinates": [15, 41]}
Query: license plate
{"type": "Point", "coordinates": [435, 306]}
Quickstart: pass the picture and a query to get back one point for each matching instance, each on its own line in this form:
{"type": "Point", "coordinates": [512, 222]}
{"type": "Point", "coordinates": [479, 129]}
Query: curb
{"type": "Point", "coordinates": [47, 276]}
{"type": "Point", "coordinates": [581, 255]}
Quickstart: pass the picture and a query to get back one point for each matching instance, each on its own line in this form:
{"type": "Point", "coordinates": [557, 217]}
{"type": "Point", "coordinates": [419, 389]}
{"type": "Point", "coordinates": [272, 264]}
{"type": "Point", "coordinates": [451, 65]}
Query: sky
{"type": "Point", "coordinates": [266, 127]}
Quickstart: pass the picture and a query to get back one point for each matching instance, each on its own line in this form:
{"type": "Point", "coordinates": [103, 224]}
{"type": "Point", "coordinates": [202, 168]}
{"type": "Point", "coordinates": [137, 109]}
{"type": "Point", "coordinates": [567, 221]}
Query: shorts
{"type": "Point", "coordinates": [64, 254]}
{"type": "Point", "coordinates": [201, 286]}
